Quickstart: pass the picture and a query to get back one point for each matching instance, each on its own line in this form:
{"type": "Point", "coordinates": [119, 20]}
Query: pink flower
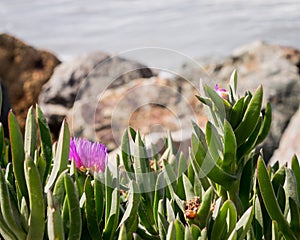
{"type": "Point", "coordinates": [222, 92]}
{"type": "Point", "coordinates": [87, 155]}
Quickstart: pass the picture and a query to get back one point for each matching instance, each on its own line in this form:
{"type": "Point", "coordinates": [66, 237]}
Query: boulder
{"type": "Point", "coordinates": [153, 106]}
{"type": "Point", "coordinates": [84, 79]}
{"type": "Point", "coordinates": [275, 67]}
{"type": "Point", "coordinates": [24, 70]}
{"type": "Point", "coordinates": [289, 143]}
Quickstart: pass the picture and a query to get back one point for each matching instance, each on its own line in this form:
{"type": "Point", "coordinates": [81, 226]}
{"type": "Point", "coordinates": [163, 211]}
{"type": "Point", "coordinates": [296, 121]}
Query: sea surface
{"type": "Point", "coordinates": [161, 32]}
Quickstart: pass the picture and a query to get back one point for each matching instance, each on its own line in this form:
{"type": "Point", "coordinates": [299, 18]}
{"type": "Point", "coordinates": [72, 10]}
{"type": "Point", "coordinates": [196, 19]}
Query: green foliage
{"type": "Point", "coordinates": [221, 190]}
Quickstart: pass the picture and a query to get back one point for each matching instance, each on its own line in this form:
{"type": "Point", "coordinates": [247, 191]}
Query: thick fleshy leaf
{"type": "Point", "coordinates": [244, 223]}
{"type": "Point", "coordinates": [18, 154]}
{"type": "Point", "coordinates": [249, 121]}
{"type": "Point", "coordinates": [295, 217]}
{"type": "Point", "coordinates": [213, 141]}
{"type": "Point", "coordinates": [296, 170]}
{"type": "Point", "coordinates": [162, 222]}
{"type": "Point", "coordinates": [158, 195]}
{"type": "Point", "coordinates": [188, 188]}
{"type": "Point", "coordinates": [99, 198]}
{"type": "Point", "coordinates": [54, 221]}
{"type": "Point", "coordinates": [74, 209]}
{"type": "Point", "coordinates": [229, 156]}
{"type": "Point", "coordinates": [129, 216]}
{"type": "Point", "coordinates": [30, 143]}
{"type": "Point", "coordinates": [171, 234]}
{"type": "Point", "coordinates": [169, 211]}
{"type": "Point", "coordinates": [233, 82]}
{"type": "Point", "coordinates": [61, 158]}
{"type": "Point", "coordinates": [237, 113]}
{"type": "Point", "coordinates": [266, 124]}
{"type": "Point", "coordinates": [205, 208]}
{"type": "Point", "coordinates": [270, 202]}
{"type": "Point", "coordinates": [90, 210]}
{"type": "Point", "coordinates": [290, 189]}
{"type": "Point", "coordinates": [249, 145]}
{"type": "Point", "coordinates": [126, 153]}
{"type": "Point", "coordinates": [123, 233]}
{"type": "Point", "coordinates": [210, 168]}
{"type": "Point", "coordinates": [5, 231]}
{"type": "Point", "coordinates": [36, 200]}
{"type": "Point", "coordinates": [275, 231]}
{"type": "Point", "coordinates": [225, 221]}
{"type": "Point", "coordinates": [6, 211]}
{"type": "Point", "coordinates": [112, 216]}
{"type": "Point", "coordinates": [146, 217]}
{"type": "Point", "coordinates": [46, 142]}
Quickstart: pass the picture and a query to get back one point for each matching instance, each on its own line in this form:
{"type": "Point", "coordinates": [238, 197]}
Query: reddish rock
{"type": "Point", "coordinates": [24, 70]}
{"type": "Point", "coordinates": [153, 106]}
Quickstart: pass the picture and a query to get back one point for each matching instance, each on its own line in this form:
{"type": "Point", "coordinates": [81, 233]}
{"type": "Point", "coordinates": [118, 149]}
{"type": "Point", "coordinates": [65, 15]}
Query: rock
{"type": "Point", "coordinates": [275, 67]}
{"type": "Point", "coordinates": [85, 78]}
{"type": "Point", "coordinates": [153, 106]}
{"type": "Point", "coordinates": [24, 70]}
{"type": "Point", "coordinates": [289, 143]}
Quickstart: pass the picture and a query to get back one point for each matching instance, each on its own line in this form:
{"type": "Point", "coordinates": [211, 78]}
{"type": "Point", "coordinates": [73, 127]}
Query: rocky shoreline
{"type": "Point", "coordinates": [101, 94]}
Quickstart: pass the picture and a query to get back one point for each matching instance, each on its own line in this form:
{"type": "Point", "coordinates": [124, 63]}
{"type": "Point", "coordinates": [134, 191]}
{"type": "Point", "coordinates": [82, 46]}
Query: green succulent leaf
{"type": "Point", "coordinates": [30, 143]}
{"type": "Point", "coordinates": [295, 217]}
{"type": "Point", "coordinates": [74, 209]}
{"type": "Point", "coordinates": [123, 233]}
{"type": "Point", "coordinates": [244, 223]}
{"type": "Point", "coordinates": [46, 142]}
{"type": "Point", "coordinates": [6, 210]}
{"type": "Point", "coordinates": [213, 141]}
{"type": "Point", "coordinates": [275, 231]}
{"type": "Point", "coordinates": [229, 159]}
{"type": "Point", "coordinates": [129, 216]}
{"type": "Point", "coordinates": [237, 112]}
{"type": "Point", "coordinates": [233, 82]}
{"type": "Point", "coordinates": [205, 209]}
{"type": "Point", "coordinates": [54, 221]}
{"type": "Point", "coordinates": [99, 198]}
{"type": "Point", "coordinates": [61, 158]}
{"type": "Point", "coordinates": [266, 124]}
{"type": "Point", "coordinates": [269, 199]}
{"type": "Point", "coordinates": [296, 170]}
{"type": "Point", "coordinates": [126, 153]}
{"type": "Point", "coordinates": [188, 188]}
{"type": "Point", "coordinates": [225, 221]}
{"type": "Point", "coordinates": [251, 117]}
{"type": "Point", "coordinates": [36, 200]}
{"type": "Point", "coordinates": [112, 216]}
{"type": "Point", "coordinates": [90, 210]}
{"type": "Point", "coordinates": [18, 154]}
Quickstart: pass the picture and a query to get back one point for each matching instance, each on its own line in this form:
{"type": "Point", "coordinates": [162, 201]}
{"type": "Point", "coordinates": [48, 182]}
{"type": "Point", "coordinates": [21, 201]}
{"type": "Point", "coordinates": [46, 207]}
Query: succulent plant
{"type": "Point", "coordinates": [221, 190]}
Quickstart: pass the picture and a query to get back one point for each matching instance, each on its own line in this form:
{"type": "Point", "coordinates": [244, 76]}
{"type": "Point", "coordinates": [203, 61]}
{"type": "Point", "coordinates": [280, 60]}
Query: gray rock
{"type": "Point", "coordinates": [85, 77]}
{"type": "Point", "coordinates": [289, 143]}
{"type": "Point", "coordinates": [275, 67]}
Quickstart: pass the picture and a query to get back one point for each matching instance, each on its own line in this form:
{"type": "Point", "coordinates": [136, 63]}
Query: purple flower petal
{"type": "Point", "coordinates": [87, 155]}
{"type": "Point", "coordinates": [222, 92]}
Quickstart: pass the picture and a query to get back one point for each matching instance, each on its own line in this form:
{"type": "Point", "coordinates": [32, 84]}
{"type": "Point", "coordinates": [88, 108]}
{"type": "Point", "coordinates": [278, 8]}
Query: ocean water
{"type": "Point", "coordinates": [190, 28]}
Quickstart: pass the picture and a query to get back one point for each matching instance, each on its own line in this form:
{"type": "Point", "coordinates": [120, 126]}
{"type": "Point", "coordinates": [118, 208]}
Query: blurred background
{"type": "Point", "coordinates": [195, 28]}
